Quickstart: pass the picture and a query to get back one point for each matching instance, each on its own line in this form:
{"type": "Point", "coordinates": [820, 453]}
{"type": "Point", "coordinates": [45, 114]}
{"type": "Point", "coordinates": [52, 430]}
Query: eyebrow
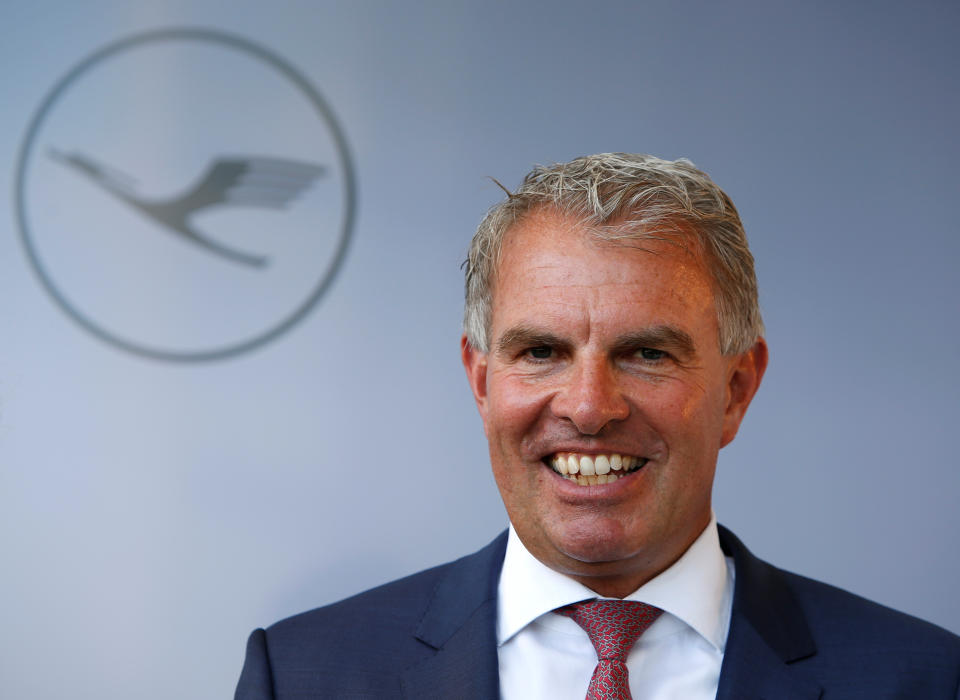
{"type": "Point", "coordinates": [527, 336]}
{"type": "Point", "coordinates": [660, 337]}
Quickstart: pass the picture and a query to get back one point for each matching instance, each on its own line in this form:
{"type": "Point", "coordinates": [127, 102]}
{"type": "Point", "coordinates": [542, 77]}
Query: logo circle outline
{"type": "Point", "coordinates": [285, 69]}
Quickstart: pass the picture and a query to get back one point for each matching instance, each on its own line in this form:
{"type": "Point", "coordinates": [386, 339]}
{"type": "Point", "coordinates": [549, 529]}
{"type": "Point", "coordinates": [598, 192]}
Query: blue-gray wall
{"type": "Point", "coordinates": [152, 513]}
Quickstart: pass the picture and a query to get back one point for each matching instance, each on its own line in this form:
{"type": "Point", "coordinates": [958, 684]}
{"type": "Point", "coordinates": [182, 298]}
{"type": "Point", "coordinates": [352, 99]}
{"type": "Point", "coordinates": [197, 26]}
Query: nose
{"type": "Point", "coordinates": [591, 396]}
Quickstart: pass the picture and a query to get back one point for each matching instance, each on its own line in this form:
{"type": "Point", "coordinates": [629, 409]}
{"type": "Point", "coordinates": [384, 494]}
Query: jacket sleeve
{"type": "Point", "coordinates": [256, 679]}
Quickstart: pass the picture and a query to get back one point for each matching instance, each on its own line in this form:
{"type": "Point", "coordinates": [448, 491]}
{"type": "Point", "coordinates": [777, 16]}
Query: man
{"type": "Point", "coordinates": [613, 343]}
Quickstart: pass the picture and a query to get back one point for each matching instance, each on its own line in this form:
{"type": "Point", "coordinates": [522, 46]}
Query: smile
{"type": "Point", "coordinates": [594, 470]}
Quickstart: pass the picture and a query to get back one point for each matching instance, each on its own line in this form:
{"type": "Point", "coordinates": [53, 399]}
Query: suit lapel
{"type": "Point", "coordinates": [460, 624]}
{"type": "Point", "coordinates": [768, 635]}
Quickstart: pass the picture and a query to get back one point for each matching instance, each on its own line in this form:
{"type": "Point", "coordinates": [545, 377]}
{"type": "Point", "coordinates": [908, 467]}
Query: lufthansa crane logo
{"type": "Point", "coordinates": [185, 194]}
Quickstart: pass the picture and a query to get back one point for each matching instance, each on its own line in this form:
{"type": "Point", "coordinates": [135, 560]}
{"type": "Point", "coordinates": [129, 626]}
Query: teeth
{"type": "Point", "coordinates": [594, 470]}
{"type": "Point", "coordinates": [593, 480]}
{"type": "Point", "coordinates": [560, 464]}
{"type": "Point", "coordinates": [602, 465]}
{"type": "Point", "coordinates": [586, 466]}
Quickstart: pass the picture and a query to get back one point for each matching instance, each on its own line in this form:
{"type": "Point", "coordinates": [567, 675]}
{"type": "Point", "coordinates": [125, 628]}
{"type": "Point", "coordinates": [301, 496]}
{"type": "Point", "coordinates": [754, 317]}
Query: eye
{"type": "Point", "coordinates": [651, 354]}
{"type": "Point", "coordinates": [541, 352]}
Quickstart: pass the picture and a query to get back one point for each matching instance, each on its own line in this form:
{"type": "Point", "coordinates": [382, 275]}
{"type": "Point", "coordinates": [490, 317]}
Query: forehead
{"type": "Point", "coordinates": [553, 261]}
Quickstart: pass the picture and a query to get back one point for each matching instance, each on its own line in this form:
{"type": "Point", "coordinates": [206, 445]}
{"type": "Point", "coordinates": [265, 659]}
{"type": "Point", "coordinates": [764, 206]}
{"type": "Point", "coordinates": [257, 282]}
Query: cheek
{"type": "Point", "coordinates": [673, 407]}
{"type": "Point", "coordinates": [517, 418]}
{"type": "Point", "coordinates": [688, 423]}
{"type": "Point", "coordinates": [700, 407]}
{"type": "Point", "coordinates": [514, 404]}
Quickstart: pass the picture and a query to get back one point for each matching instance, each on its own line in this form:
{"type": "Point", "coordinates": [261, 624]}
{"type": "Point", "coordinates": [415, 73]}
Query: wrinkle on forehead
{"type": "Point", "coordinates": [554, 269]}
{"type": "Point", "coordinates": [559, 278]}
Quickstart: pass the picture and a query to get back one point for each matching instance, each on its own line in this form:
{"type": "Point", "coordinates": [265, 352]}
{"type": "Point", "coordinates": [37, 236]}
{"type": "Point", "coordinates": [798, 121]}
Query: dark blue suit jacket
{"type": "Point", "coordinates": [432, 635]}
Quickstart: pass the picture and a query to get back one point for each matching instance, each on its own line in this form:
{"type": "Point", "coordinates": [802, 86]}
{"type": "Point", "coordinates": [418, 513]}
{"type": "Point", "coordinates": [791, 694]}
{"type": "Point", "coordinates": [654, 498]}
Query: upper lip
{"type": "Point", "coordinates": [592, 451]}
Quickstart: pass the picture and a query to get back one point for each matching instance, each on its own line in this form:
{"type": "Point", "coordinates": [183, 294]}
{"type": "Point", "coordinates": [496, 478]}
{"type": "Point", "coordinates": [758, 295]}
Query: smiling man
{"type": "Point", "coordinates": [613, 343]}
{"type": "Point", "coordinates": [605, 394]}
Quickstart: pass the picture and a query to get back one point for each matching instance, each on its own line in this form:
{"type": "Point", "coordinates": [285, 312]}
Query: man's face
{"type": "Point", "coordinates": [602, 355]}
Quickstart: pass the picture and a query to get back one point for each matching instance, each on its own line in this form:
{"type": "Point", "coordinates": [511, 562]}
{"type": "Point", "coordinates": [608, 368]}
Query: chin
{"type": "Point", "coordinates": [597, 542]}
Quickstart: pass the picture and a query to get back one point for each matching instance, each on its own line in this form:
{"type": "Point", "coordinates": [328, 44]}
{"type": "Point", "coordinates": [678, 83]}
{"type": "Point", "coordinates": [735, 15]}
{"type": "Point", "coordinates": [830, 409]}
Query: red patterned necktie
{"type": "Point", "coordinates": [613, 626]}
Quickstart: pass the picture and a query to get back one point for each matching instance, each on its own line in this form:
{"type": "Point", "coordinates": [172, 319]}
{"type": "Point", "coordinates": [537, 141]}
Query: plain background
{"type": "Point", "coordinates": [153, 513]}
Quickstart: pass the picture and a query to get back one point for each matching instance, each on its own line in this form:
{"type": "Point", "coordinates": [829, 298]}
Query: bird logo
{"type": "Point", "coordinates": [251, 181]}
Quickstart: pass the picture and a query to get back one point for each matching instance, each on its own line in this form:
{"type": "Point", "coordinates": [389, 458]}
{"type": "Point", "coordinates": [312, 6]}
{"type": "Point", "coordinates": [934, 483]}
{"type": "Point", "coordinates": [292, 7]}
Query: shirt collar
{"type": "Point", "coordinates": [696, 589]}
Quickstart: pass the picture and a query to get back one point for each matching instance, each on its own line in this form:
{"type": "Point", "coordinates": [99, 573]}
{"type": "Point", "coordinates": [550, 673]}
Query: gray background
{"type": "Point", "coordinates": [152, 513]}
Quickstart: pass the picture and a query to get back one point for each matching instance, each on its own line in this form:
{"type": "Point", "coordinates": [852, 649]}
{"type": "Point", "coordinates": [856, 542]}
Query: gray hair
{"type": "Point", "coordinates": [623, 196]}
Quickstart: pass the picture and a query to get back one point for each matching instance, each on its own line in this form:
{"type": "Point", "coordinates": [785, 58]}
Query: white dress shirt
{"type": "Point", "coordinates": [546, 655]}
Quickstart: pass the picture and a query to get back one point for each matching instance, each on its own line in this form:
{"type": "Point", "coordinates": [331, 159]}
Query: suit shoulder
{"type": "Point", "coordinates": [400, 600]}
{"type": "Point", "coordinates": [837, 613]}
{"type": "Point", "coordinates": [393, 609]}
{"type": "Point", "coordinates": [325, 652]}
{"type": "Point", "coordinates": [770, 596]}
{"type": "Point", "coordinates": [845, 644]}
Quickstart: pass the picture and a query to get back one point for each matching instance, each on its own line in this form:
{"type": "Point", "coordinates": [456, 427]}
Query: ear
{"type": "Point", "coordinates": [745, 373]}
{"type": "Point", "coordinates": [475, 363]}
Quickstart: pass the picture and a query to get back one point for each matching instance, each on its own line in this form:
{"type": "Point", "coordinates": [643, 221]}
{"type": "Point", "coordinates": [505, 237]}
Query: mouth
{"type": "Point", "coordinates": [593, 469]}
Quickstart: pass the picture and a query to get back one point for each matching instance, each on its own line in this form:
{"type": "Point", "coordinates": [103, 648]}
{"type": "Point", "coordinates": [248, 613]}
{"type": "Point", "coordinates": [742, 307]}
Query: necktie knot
{"type": "Point", "coordinates": [613, 627]}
